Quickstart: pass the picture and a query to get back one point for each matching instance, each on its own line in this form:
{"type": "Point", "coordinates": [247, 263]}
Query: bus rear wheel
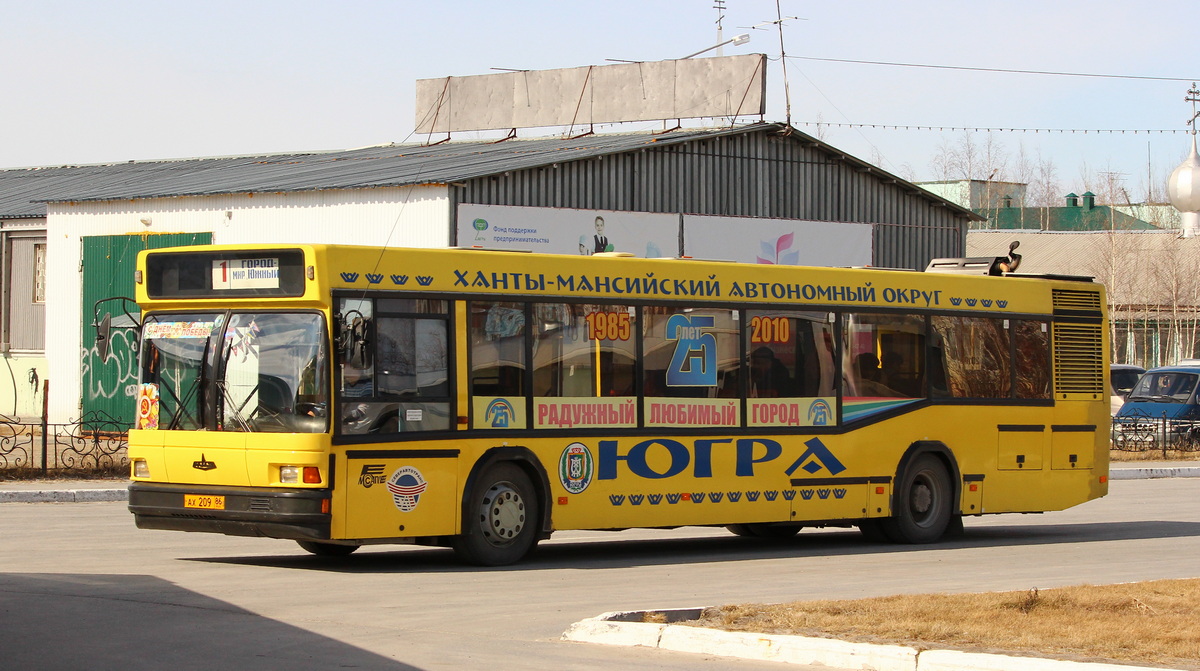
{"type": "Point", "coordinates": [765, 529]}
{"type": "Point", "coordinates": [500, 525]}
{"type": "Point", "coordinates": [924, 505]}
{"type": "Point", "coordinates": [327, 549]}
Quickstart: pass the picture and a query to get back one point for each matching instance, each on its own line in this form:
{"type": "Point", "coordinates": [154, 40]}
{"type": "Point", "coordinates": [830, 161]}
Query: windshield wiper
{"type": "Point", "coordinates": [231, 404]}
{"type": "Point", "coordinates": [191, 392]}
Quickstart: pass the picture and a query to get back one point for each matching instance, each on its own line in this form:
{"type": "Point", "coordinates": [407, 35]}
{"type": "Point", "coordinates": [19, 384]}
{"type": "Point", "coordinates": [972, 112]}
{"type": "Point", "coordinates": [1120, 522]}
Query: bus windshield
{"type": "Point", "coordinates": [234, 371]}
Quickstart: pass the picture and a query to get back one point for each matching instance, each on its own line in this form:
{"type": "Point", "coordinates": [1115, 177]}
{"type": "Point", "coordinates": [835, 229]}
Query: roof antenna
{"type": "Point", "coordinates": [778, 22]}
{"type": "Point", "coordinates": [719, 5]}
{"type": "Point", "coordinates": [787, 96]}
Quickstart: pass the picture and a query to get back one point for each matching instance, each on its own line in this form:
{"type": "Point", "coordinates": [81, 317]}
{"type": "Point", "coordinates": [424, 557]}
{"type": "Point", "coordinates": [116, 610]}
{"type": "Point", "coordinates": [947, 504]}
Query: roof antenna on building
{"type": "Point", "coordinates": [719, 5]}
{"type": "Point", "coordinates": [778, 22]}
{"type": "Point", "coordinates": [787, 96]}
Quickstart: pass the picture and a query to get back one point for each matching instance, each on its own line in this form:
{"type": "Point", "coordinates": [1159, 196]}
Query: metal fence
{"type": "Point", "coordinates": [1142, 433]}
{"type": "Point", "coordinates": [95, 442]}
{"type": "Point", "coordinates": [99, 442]}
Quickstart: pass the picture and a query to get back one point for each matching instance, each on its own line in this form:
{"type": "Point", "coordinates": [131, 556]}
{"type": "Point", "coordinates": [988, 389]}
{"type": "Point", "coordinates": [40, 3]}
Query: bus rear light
{"type": "Point", "coordinates": [325, 507]}
{"type": "Point", "coordinates": [312, 475]}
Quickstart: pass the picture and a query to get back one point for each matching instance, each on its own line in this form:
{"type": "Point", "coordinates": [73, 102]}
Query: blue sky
{"type": "Point", "coordinates": [131, 80]}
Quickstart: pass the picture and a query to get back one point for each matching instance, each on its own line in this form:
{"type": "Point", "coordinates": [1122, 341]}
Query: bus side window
{"type": "Point", "coordinates": [1033, 358]}
{"type": "Point", "coordinates": [497, 335]}
{"type": "Point", "coordinates": [583, 350]}
{"type": "Point", "coordinates": [789, 354]}
{"type": "Point", "coordinates": [883, 356]}
{"type": "Point", "coordinates": [688, 351]}
{"type": "Point", "coordinates": [976, 349]}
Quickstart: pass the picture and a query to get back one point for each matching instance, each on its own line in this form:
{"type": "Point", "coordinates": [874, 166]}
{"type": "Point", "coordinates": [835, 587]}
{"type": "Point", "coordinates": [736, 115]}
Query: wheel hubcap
{"type": "Point", "coordinates": [921, 500]}
{"type": "Point", "coordinates": [503, 514]}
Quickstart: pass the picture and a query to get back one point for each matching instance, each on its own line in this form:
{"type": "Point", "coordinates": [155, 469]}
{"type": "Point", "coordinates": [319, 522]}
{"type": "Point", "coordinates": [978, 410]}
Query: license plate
{"type": "Point", "coordinates": [206, 502]}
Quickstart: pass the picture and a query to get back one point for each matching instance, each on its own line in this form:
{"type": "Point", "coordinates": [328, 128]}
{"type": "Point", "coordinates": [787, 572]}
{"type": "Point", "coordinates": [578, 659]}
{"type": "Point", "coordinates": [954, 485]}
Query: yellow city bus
{"type": "Point", "coordinates": [342, 396]}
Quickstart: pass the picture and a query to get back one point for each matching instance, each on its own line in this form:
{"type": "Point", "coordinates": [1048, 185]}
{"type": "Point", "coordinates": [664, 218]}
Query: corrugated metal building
{"type": "Point", "coordinates": [408, 195]}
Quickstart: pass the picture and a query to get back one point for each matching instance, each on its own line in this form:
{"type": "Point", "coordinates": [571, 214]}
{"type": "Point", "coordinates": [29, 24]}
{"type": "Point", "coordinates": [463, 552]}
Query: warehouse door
{"type": "Point", "coordinates": [110, 385]}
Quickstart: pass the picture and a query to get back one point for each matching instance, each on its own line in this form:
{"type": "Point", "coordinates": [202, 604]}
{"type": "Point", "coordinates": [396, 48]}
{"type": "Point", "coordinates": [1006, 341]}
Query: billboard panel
{"type": "Point", "coordinates": [789, 242]}
{"type": "Point", "coordinates": [679, 89]}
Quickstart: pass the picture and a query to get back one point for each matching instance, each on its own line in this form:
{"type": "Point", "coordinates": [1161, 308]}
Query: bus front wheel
{"type": "Point", "coordinates": [924, 503]}
{"type": "Point", "coordinates": [500, 526]}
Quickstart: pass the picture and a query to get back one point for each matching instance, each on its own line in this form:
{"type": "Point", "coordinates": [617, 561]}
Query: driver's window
{"type": "Point", "coordinates": [393, 365]}
{"type": "Point", "coordinates": [355, 348]}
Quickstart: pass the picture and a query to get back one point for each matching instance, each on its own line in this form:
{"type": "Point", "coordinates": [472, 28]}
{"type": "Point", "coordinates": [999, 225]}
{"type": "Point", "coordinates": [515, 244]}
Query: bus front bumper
{"type": "Point", "coordinates": [243, 511]}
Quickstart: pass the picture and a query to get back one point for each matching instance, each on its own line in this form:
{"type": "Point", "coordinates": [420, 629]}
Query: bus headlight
{"type": "Point", "coordinates": [290, 475]}
{"type": "Point", "coordinates": [140, 468]}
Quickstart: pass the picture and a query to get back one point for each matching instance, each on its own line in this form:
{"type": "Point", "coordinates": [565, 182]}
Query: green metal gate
{"type": "Point", "coordinates": [109, 385]}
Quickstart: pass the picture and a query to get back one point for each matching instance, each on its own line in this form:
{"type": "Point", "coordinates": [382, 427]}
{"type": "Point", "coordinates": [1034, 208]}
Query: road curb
{"type": "Point", "coordinates": [1154, 472]}
{"type": "Point", "coordinates": [629, 628]}
{"type": "Point", "coordinates": [63, 495]}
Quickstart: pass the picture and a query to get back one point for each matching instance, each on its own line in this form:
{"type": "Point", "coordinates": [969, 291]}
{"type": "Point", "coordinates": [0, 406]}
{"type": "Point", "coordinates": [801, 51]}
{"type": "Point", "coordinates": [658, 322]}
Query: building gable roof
{"type": "Point", "coordinates": [23, 192]}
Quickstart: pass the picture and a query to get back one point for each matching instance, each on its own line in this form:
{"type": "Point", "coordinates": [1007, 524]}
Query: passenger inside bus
{"type": "Point", "coordinates": [768, 376]}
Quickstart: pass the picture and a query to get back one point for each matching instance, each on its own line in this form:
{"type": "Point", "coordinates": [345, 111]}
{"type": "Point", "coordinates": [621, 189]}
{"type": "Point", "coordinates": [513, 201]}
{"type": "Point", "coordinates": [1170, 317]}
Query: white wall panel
{"type": "Point", "coordinates": [417, 216]}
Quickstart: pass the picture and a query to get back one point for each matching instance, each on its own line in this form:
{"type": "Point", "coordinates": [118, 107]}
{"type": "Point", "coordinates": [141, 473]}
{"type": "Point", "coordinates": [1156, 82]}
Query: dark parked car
{"type": "Point", "coordinates": [1122, 377]}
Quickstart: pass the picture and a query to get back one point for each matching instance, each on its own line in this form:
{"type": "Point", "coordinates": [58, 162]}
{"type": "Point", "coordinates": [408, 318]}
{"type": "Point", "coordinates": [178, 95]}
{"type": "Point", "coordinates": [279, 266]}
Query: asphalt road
{"type": "Point", "coordinates": [80, 587]}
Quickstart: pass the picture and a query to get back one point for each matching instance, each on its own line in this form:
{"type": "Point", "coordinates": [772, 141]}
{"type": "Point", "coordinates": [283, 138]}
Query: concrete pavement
{"type": "Point", "coordinates": [657, 629]}
{"type": "Point", "coordinates": [631, 629]}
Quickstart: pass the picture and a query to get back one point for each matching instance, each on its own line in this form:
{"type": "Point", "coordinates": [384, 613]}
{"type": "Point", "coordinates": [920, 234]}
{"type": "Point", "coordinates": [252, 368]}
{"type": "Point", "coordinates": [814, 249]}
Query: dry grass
{"type": "Point", "coordinates": [1150, 623]}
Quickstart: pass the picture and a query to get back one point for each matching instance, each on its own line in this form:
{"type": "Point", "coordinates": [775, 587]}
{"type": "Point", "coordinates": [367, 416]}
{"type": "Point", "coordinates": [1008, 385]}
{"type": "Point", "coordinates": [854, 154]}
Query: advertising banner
{"type": "Point", "coordinates": [788, 242]}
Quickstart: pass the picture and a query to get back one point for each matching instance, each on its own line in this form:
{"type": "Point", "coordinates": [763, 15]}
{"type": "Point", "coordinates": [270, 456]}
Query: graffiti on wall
{"type": "Point", "coordinates": [113, 378]}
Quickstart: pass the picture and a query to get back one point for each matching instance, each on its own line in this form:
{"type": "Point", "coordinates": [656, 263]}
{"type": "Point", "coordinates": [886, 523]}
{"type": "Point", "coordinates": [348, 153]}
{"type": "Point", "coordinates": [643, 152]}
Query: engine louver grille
{"type": "Point", "coordinates": [1065, 299]}
{"type": "Point", "coordinates": [1078, 343]}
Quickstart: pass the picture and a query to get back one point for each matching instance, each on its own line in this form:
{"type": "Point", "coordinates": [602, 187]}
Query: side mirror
{"type": "Point", "coordinates": [103, 336]}
{"type": "Point", "coordinates": [104, 325]}
{"type": "Point", "coordinates": [354, 338]}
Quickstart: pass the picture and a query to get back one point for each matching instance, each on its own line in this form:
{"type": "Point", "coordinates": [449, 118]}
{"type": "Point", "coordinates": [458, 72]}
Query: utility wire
{"type": "Point", "coordinates": [977, 129]}
{"type": "Point", "coordinates": [1004, 70]}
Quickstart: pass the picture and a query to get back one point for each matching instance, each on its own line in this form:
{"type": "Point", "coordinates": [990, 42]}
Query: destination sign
{"type": "Point", "coordinates": [245, 273]}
